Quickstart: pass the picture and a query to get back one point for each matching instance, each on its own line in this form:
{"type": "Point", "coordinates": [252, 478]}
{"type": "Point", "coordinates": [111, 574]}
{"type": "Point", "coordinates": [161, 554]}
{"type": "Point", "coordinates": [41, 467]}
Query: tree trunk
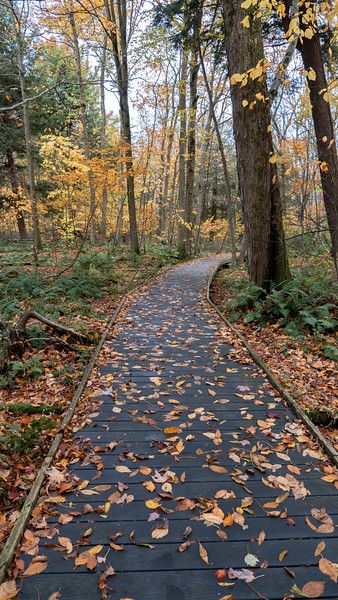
{"type": "Point", "coordinates": [20, 219]}
{"type": "Point", "coordinates": [231, 200]}
{"type": "Point", "coordinates": [182, 146]}
{"type": "Point", "coordinates": [84, 123]}
{"type": "Point", "coordinates": [325, 136]}
{"type": "Point", "coordinates": [117, 14]}
{"type": "Point", "coordinates": [104, 198]}
{"type": "Point", "coordinates": [311, 53]}
{"type": "Point", "coordinates": [191, 137]}
{"type": "Point", "coordinates": [28, 137]}
{"type": "Point", "coordinates": [267, 257]}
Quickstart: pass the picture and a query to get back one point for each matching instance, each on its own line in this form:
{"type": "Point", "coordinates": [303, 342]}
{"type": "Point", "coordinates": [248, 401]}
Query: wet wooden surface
{"type": "Point", "coordinates": [169, 368]}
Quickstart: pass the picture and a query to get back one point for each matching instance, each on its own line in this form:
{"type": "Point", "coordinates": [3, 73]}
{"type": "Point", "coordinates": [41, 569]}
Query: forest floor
{"type": "Point", "coordinates": [183, 473]}
{"type": "Point", "coordinates": [302, 361]}
{"type": "Point", "coordinates": [81, 291]}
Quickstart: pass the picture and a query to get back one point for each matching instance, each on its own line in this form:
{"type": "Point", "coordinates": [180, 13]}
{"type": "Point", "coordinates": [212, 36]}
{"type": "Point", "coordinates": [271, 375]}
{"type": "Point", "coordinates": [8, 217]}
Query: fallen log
{"type": "Point", "coordinates": [11, 339]}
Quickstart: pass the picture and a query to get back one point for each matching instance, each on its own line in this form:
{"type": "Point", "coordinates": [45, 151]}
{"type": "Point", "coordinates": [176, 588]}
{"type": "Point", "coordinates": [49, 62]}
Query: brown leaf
{"type": "Point", "coordinates": [55, 596]}
{"type": "Point", "coordinates": [140, 544]}
{"type": "Point", "coordinates": [38, 564]}
{"type": "Point", "coordinates": [161, 530]}
{"type": "Point", "coordinates": [320, 548]}
{"type": "Point", "coordinates": [116, 547]}
{"type": "Point", "coordinates": [184, 546]}
{"type": "Point", "coordinates": [218, 469]}
{"type": "Point", "coordinates": [203, 553]}
{"type": "Point", "coordinates": [8, 590]}
{"type": "Point", "coordinates": [66, 543]}
{"type": "Point", "coordinates": [329, 568]}
{"type": "Point", "coordinates": [313, 589]}
{"type": "Point", "coordinates": [261, 538]}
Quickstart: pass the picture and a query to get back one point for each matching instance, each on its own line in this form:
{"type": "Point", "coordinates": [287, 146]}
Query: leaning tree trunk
{"type": "Point", "coordinates": [260, 194]}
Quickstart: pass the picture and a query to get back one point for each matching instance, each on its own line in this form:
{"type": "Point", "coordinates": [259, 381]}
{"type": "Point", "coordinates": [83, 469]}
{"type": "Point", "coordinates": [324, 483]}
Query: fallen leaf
{"type": "Point", "coordinates": [313, 589]}
{"type": "Point", "coordinates": [161, 530]}
{"type": "Point", "coordinates": [38, 564]}
{"type": "Point", "coordinates": [251, 560]}
{"type": "Point", "coordinates": [261, 537]}
{"type": "Point", "coordinates": [203, 553]}
{"type": "Point", "coordinates": [320, 548]}
{"type": "Point", "coordinates": [329, 568]}
{"type": "Point", "coordinates": [8, 590]}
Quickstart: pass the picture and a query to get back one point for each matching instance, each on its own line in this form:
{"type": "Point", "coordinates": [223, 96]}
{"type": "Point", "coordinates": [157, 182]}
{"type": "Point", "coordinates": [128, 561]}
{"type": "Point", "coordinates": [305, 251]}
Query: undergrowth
{"type": "Point", "coordinates": [303, 306]}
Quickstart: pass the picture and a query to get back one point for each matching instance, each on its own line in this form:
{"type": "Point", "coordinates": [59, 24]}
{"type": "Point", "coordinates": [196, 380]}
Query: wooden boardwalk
{"type": "Point", "coordinates": [200, 460]}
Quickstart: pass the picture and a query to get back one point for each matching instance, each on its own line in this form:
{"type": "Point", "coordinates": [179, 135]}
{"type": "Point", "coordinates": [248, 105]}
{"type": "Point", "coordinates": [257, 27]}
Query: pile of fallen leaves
{"type": "Point", "coordinates": [301, 368]}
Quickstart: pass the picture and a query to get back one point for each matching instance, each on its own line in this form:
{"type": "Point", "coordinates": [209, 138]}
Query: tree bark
{"type": "Point", "coordinates": [20, 219]}
{"type": "Point", "coordinates": [312, 58]}
{"type": "Point", "coordinates": [259, 189]}
{"type": "Point", "coordinates": [104, 198]}
{"type": "Point", "coordinates": [191, 136]}
{"type": "Point", "coordinates": [228, 191]}
{"type": "Point", "coordinates": [84, 123]}
{"type": "Point", "coordinates": [182, 146]}
{"type": "Point", "coordinates": [17, 25]}
{"type": "Point", "coordinates": [117, 14]}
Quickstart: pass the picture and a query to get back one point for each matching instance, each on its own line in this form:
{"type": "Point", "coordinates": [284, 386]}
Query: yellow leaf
{"type": "Point", "coordinates": [246, 22]}
{"type": "Point", "coordinates": [95, 550]}
{"type": "Point", "coordinates": [256, 71]}
{"type": "Point", "coordinates": [308, 33]}
{"type": "Point", "coordinates": [152, 504]}
{"type": "Point", "coordinates": [245, 103]}
{"type": "Point", "coordinates": [247, 3]}
{"type": "Point", "coordinates": [236, 78]}
{"type": "Point", "coordinates": [282, 555]}
{"type": "Point", "coordinates": [155, 380]}
{"type": "Point", "coordinates": [172, 430]}
{"type": "Point", "coordinates": [311, 74]}
{"type": "Point", "coordinates": [149, 485]}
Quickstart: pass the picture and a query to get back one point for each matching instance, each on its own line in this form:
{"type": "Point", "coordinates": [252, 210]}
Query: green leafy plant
{"type": "Point", "coordinates": [24, 440]}
{"type": "Point", "coordinates": [302, 306]}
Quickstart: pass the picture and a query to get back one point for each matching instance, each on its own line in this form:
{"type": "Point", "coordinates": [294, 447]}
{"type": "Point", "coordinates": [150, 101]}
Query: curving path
{"type": "Point", "coordinates": [194, 453]}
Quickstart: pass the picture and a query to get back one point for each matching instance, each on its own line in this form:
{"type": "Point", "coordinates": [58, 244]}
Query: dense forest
{"type": "Point", "coordinates": [202, 125]}
{"type": "Point", "coordinates": [145, 139]}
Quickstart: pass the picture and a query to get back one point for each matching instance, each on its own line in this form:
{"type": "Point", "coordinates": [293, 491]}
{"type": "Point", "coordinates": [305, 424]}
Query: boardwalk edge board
{"type": "Point", "coordinates": [6, 556]}
{"type": "Point", "coordinates": [291, 402]}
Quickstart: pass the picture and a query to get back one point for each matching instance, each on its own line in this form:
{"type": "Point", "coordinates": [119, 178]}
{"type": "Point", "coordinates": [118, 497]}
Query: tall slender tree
{"type": "Point", "coordinates": [116, 12]}
{"type": "Point", "coordinates": [257, 172]}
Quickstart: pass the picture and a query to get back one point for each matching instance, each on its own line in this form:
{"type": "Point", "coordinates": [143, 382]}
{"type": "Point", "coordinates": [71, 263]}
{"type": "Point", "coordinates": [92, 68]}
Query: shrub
{"type": "Point", "coordinates": [303, 305]}
{"type": "Point", "coordinates": [24, 440]}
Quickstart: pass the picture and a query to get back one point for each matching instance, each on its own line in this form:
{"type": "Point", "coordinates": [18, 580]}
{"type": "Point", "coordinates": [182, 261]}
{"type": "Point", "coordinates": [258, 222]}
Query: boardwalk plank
{"type": "Point", "coordinates": [166, 365]}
